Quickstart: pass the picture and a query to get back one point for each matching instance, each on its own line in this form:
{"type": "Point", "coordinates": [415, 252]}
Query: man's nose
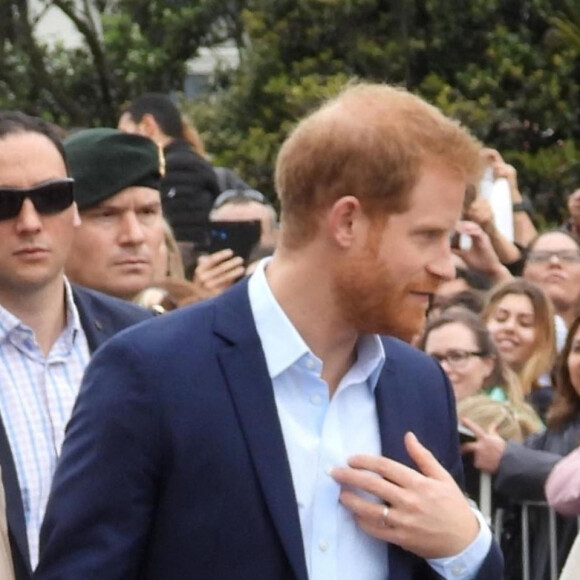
{"type": "Point", "coordinates": [28, 219]}
{"type": "Point", "coordinates": [131, 231]}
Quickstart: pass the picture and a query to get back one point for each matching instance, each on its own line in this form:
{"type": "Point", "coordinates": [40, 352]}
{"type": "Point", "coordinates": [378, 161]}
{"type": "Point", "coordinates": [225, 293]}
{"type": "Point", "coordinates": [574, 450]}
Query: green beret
{"type": "Point", "coordinates": [103, 162]}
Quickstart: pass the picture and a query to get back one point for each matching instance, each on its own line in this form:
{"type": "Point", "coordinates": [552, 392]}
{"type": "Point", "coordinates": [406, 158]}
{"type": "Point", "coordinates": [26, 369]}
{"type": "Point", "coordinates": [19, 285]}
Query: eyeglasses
{"type": "Point", "coordinates": [48, 198]}
{"type": "Point", "coordinates": [564, 256]}
{"type": "Point", "coordinates": [249, 194]}
{"type": "Point", "coordinates": [457, 358]}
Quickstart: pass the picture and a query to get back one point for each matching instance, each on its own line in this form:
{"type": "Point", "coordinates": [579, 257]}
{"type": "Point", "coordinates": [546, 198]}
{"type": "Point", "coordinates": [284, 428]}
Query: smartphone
{"type": "Point", "coordinates": [465, 435]}
{"type": "Point", "coordinates": [240, 236]}
{"type": "Point", "coordinates": [460, 241]}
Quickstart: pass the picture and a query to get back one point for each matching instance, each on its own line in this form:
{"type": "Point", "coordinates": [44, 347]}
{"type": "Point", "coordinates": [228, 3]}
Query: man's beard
{"type": "Point", "coordinates": [373, 301]}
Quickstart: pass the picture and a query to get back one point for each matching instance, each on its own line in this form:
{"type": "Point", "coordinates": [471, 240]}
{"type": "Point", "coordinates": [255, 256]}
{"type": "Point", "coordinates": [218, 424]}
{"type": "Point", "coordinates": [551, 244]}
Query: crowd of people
{"type": "Point", "coordinates": [282, 420]}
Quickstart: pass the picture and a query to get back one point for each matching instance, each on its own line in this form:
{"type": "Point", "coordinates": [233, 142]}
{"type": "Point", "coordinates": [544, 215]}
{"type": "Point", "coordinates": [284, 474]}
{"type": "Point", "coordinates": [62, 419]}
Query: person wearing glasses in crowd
{"type": "Point", "coordinates": [215, 273]}
{"type": "Point", "coordinates": [464, 347]}
{"type": "Point", "coordinates": [280, 430]}
{"type": "Point", "coordinates": [553, 263]}
{"type": "Point", "coordinates": [48, 327]}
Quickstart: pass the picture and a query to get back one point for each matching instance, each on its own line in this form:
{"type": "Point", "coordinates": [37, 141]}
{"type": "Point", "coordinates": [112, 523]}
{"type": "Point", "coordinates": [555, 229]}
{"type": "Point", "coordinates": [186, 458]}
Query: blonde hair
{"type": "Point", "coordinates": [513, 421]}
{"type": "Point", "coordinates": [371, 141]}
{"type": "Point", "coordinates": [544, 351]}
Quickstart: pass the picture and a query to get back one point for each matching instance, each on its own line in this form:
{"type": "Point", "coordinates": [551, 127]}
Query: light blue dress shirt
{"type": "Point", "coordinates": [37, 395]}
{"type": "Point", "coordinates": [321, 433]}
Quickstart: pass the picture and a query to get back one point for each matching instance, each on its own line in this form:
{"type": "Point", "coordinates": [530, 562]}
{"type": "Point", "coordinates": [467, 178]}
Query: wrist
{"type": "Point", "coordinates": [499, 273]}
{"type": "Point", "coordinates": [516, 196]}
{"type": "Point", "coordinates": [522, 206]}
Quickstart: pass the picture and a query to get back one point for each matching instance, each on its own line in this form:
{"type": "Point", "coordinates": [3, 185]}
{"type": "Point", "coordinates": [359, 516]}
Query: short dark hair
{"type": "Point", "coordinates": [16, 122]}
{"type": "Point", "coordinates": [163, 110]}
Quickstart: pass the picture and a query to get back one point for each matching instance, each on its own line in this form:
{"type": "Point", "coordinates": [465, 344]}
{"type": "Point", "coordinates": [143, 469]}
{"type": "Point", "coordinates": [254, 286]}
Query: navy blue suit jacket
{"type": "Point", "coordinates": [174, 465]}
{"type": "Point", "coordinates": [101, 316]}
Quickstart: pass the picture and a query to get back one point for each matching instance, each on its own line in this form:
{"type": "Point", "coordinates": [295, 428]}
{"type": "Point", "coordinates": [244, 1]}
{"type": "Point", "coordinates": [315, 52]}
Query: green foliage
{"type": "Point", "coordinates": [508, 69]}
{"type": "Point", "coordinates": [501, 67]}
{"type": "Point", "coordinates": [129, 47]}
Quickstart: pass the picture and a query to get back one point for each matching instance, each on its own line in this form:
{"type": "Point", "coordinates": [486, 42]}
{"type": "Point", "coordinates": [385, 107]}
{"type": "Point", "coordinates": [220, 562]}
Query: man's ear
{"type": "Point", "coordinates": [149, 127]}
{"type": "Point", "coordinates": [345, 220]}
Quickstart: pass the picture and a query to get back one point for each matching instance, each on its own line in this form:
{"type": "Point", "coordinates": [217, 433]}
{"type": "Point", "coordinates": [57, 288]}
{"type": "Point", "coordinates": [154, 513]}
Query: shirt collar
{"type": "Point", "coordinates": [282, 344]}
{"type": "Point", "coordinates": [9, 322]}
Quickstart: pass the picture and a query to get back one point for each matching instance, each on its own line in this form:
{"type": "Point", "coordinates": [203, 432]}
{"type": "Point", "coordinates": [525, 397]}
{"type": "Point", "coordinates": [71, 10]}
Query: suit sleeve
{"type": "Point", "coordinates": [563, 485]}
{"type": "Point", "coordinates": [523, 472]}
{"type": "Point", "coordinates": [100, 507]}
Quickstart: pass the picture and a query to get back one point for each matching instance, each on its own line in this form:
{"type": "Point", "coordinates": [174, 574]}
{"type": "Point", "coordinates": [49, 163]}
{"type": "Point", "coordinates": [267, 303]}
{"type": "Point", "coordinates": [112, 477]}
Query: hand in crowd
{"type": "Point", "coordinates": [217, 272]}
{"type": "Point", "coordinates": [428, 513]}
{"type": "Point", "coordinates": [214, 274]}
{"type": "Point", "coordinates": [481, 212]}
{"type": "Point", "coordinates": [481, 256]}
{"type": "Point", "coordinates": [503, 169]}
{"type": "Point", "coordinates": [487, 450]}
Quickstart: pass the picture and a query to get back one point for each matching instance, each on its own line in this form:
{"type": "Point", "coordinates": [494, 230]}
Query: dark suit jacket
{"type": "Point", "coordinates": [175, 467]}
{"type": "Point", "coordinates": [101, 317]}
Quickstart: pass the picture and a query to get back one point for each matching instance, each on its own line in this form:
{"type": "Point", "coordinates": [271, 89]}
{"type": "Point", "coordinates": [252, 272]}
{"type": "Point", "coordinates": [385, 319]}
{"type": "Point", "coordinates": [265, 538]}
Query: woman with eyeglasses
{"type": "Point", "coordinates": [520, 318]}
{"type": "Point", "coordinates": [553, 263]}
{"type": "Point", "coordinates": [461, 343]}
{"type": "Point", "coordinates": [521, 470]}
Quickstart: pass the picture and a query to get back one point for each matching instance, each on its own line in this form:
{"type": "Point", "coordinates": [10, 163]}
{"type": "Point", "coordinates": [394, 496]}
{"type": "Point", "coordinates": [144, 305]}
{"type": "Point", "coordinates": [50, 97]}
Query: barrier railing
{"type": "Point", "coordinates": [496, 517]}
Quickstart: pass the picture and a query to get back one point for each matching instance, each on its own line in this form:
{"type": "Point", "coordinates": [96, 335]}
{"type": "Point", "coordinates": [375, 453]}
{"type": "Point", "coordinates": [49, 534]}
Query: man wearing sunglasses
{"type": "Point", "coordinates": [48, 328]}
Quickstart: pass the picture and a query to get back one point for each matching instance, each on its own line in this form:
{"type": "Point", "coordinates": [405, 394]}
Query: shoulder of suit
{"type": "Point", "coordinates": [87, 297]}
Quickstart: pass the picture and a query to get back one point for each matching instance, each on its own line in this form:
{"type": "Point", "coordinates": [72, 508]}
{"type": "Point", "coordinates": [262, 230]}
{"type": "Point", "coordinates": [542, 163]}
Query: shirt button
{"type": "Point", "coordinates": [323, 545]}
{"type": "Point", "coordinates": [316, 399]}
{"type": "Point", "coordinates": [457, 569]}
{"type": "Point", "coordinates": [310, 363]}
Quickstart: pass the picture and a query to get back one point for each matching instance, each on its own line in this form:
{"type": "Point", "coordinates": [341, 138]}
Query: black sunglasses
{"type": "Point", "coordinates": [48, 198]}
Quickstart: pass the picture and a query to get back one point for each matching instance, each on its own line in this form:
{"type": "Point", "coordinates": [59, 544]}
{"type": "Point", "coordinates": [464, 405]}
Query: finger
{"type": "Point", "coordinates": [468, 448]}
{"type": "Point", "coordinates": [211, 260]}
{"type": "Point", "coordinates": [492, 430]}
{"type": "Point", "coordinates": [365, 510]}
{"type": "Point", "coordinates": [227, 278]}
{"type": "Point", "coordinates": [227, 266]}
{"type": "Point", "coordinates": [369, 482]}
{"type": "Point", "coordinates": [210, 276]}
{"type": "Point", "coordinates": [424, 459]}
{"type": "Point", "coordinates": [479, 432]}
{"type": "Point", "coordinates": [386, 468]}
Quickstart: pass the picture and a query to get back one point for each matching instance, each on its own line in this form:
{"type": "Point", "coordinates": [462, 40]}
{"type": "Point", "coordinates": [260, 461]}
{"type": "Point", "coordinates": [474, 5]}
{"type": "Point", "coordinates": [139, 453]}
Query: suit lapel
{"type": "Point", "coordinates": [393, 424]}
{"type": "Point", "coordinates": [14, 506]}
{"type": "Point", "coordinates": [93, 327]}
{"type": "Point", "coordinates": [244, 365]}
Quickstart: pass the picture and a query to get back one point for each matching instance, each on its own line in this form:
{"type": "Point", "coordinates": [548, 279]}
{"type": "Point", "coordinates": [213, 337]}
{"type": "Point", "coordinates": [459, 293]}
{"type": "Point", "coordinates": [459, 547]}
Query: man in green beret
{"type": "Point", "coordinates": [118, 247]}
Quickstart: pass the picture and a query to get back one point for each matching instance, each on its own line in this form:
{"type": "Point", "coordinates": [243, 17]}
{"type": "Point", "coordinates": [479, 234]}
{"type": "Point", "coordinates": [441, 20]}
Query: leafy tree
{"type": "Point", "coordinates": [129, 46]}
{"type": "Point", "coordinates": [502, 67]}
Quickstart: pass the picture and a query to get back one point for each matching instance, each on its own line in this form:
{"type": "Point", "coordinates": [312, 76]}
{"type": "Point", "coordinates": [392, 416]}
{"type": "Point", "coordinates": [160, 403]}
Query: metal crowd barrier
{"type": "Point", "coordinates": [495, 519]}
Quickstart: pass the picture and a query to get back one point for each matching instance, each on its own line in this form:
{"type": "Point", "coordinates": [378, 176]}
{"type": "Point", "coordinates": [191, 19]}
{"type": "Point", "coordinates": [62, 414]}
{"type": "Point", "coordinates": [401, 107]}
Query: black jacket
{"type": "Point", "coordinates": [188, 189]}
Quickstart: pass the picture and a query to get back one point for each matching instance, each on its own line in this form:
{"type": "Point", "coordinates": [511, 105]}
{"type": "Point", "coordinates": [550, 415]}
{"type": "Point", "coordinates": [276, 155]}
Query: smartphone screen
{"type": "Point", "coordinates": [239, 236]}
